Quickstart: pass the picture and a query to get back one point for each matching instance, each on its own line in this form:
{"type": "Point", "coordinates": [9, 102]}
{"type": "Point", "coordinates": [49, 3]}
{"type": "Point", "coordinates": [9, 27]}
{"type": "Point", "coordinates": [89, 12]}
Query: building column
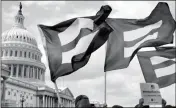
{"type": "Point", "coordinates": [11, 72]}
{"type": "Point", "coordinates": [18, 53]}
{"type": "Point", "coordinates": [53, 102]}
{"type": "Point", "coordinates": [3, 89]}
{"type": "Point", "coordinates": [70, 103]}
{"type": "Point", "coordinates": [13, 54]}
{"type": "Point", "coordinates": [37, 101]}
{"type": "Point", "coordinates": [43, 101]}
{"type": "Point", "coordinates": [63, 101]}
{"type": "Point", "coordinates": [27, 53]}
{"type": "Point", "coordinates": [22, 74]}
{"type": "Point", "coordinates": [49, 101]}
{"type": "Point", "coordinates": [8, 53]}
{"type": "Point", "coordinates": [41, 78]}
{"type": "Point", "coordinates": [4, 51]}
{"type": "Point", "coordinates": [43, 75]}
{"type": "Point", "coordinates": [27, 72]}
{"type": "Point", "coordinates": [37, 72]}
{"type": "Point", "coordinates": [33, 72]}
{"type": "Point", "coordinates": [46, 101]}
{"type": "Point", "coordinates": [17, 70]}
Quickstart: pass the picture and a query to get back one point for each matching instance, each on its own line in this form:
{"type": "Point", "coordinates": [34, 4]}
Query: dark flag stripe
{"type": "Point", "coordinates": [81, 60]}
{"type": "Point", "coordinates": [55, 50]}
{"type": "Point", "coordinates": [165, 81]}
{"type": "Point", "coordinates": [149, 69]}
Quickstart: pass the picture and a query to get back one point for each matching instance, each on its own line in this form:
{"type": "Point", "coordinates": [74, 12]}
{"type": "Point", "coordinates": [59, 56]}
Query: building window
{"type": "Point", "coordinates": [14, 94]}
{"type": "Point", "coordinates": [15, 53]}
{"type": "Point", "coordinates": [31, 97]}
{"type": "Point", "coordinates": [11, 52]}
{"type": "Point", "coordinates": [20, 53]}
{"type": "Point", "coordinates": [24, 54]}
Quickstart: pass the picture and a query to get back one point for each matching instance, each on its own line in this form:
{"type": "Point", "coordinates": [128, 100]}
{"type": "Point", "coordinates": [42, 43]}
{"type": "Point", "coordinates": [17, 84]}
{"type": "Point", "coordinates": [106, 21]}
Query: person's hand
{"type": "Point", "coordinates": [163, 103]}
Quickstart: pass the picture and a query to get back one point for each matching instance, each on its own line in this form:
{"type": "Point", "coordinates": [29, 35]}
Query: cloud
{"type": "Point", "coordinates": [43, 3]}
{"type": "Point", "coordinates": [129, 9]}
{"type": "Point", "coordinates": [122, 85]}
{"type": "Point", "coordinates": [8, 15]}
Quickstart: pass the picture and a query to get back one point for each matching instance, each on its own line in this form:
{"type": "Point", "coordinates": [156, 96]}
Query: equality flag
{"type": "Point", "coordinates": [130, 35]}
{"type": "Point", "coordinates": [158, 66]}
{"type": "Point", "coordinates": [69, 44]}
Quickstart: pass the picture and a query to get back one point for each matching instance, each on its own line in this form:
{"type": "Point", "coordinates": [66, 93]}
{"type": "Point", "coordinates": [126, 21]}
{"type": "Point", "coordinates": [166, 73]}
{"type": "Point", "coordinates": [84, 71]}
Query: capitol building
{"type": "Point", "coordinates": [23, 73]}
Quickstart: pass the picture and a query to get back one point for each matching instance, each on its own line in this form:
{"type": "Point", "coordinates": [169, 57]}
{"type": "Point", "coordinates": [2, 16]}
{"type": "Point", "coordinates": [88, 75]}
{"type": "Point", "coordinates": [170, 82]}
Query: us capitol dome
{"type": "Point", "coordinates": [23, 73]}
{"type": "Point", "coordinates": [20, 52]}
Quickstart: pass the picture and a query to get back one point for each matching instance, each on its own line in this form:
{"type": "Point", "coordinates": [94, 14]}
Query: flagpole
{"type": "Point", "coordinates": [105, 90]}
{"type": "Point", "coordinates": [57, 92]}
{"type": "Point", "coordinates": [105, 80]}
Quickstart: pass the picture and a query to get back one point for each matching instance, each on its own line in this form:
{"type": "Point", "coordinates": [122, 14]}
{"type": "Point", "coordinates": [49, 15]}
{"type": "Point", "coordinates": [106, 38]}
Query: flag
{"type": "Point", "coordinates": [130, 35]}
{"type": "Point", "coordinates": [158, 66]}
{"type": "Point", "coordinates": [69, 44]}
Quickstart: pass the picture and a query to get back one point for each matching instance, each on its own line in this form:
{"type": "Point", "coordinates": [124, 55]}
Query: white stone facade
{"type": "Point", "coordinates": [26, 71]}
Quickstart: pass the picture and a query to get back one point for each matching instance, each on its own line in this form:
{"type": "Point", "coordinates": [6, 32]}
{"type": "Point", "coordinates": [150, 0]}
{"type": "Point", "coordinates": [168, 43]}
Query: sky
{"type": "Point", "coordinates": [122, 85]}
